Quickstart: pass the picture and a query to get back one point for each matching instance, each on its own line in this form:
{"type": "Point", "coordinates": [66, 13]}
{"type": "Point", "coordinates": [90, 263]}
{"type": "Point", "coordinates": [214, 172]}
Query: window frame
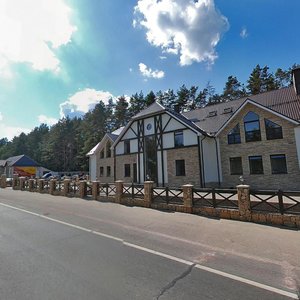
{"type": "Point", "coordinates": [108, 174]}
{"type": "Point", "coordinates": [126, 146]}
{"type": "Point", "coordinates": [178, 170]}
{"type": "Point", "coordinates": [102, 154]}
{"type": "Point", "coordinates": [178, 133]}
{"type": "Point", "coordinates": [127, 170]}
{"type": "Point", "coordinates": [231, 160]}
{"type": "Point", "coordinates": [250, 132]}
{"type": "Point", "coordinates": [271, 130]}
{"type": "Point", "coordinates": [108, 149]}
{"type": "Point", "coordinates": [272, 157]}
{"type": "Point", "coordinates": [234, 135]}
{"type": "Point", "coordinates": [257, 158]}
{"type": "Point", "coordinates": [101, 172]}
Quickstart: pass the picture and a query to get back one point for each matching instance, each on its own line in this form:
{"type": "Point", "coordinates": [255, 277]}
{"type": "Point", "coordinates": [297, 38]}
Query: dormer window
{"type": "Point", "coordinates": [273, 130]}
{"type": "Point", "coordinates": [227, 110]}
{"type": "Point", "coordinates": [252, 127]}
{"type": "Point", "coordinates": [234, 136]}
{"type": "Point", "coordinates": [212, 113]}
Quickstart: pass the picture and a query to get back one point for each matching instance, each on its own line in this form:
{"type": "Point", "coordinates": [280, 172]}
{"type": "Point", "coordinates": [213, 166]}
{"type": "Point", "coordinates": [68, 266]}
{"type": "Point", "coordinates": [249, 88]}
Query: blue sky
{"type": "Point", "coordinates": [59, 57]}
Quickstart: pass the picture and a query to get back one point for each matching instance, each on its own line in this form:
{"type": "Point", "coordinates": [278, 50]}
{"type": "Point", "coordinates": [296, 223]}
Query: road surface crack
{"type": "Point", "coordinates": [174, 281]}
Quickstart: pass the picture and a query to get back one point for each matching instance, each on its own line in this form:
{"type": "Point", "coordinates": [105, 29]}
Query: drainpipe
{"type": "Point", "coordinates": [218, 163]}
{"type": "Point", "coordinates": [201, 161]}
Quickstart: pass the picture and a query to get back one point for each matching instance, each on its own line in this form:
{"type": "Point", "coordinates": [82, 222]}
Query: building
{"type": "Point", "coordinates": [21, 165]}
{"type": "Point", "coordinates": [257, 138]}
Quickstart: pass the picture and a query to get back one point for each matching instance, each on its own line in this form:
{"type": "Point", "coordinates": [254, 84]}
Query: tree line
{"type": "Point", "coordinates": [63, 146]}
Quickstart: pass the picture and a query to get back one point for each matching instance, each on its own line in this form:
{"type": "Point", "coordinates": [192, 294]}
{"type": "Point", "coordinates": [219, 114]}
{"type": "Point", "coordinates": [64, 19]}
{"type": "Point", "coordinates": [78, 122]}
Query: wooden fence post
{"type": "Point", "coordinates": [31, 185]}
{"type": "Point", "coordinates": [148, 193]}
{"type": "Point", "coordinates": [119, 190]}
{"type": "Point", "coordinates": [188, 198]}
{"type": "Point", "coordinates": [15, 182]}
{"type": "Point", "coordinates": [22, 183]}
{"type": "Point", "coordinates": [243, 192]}
{"type": "Point", "coordinates": [40, 186]}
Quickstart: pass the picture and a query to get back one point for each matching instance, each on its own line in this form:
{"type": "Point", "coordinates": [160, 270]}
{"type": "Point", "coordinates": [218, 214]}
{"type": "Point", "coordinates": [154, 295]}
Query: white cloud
{"type": "Point", "coordinates": [83, 101]}
{"type": "Point", "coordinates": [244, 33]}
{"type": "Point", "coordinates": [1, 116]}
{"type": "Point", "coordinates": [29, 32]}
{"type": "Point", "coordinates": [163, 57]}
{"type": "Point", "coordinates": [47, 120]}
{"type": "Point", "coordinates": [189, 28]}
{"type": "Point", "coordinates": [149, 73]}
{"type": "Point", "coordinates": [10, 131]}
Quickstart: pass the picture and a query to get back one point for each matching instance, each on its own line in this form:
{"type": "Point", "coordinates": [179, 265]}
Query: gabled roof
{"type": "Point", "coordinates": [154, 108]}
{"type": "Point", "coordinates": [107, 136]}
{"type": "Point", "coordinates": [261, 107]}
{"type": "Point", "coordinates": [2, 163]}
{"type": "Point", "coordinates": [211, 118]}
{"type": "Point", "coordinates": [21, 161]}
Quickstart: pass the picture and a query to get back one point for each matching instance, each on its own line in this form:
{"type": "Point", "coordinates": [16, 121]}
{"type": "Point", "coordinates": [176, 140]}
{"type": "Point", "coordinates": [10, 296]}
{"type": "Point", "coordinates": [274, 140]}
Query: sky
{"type": "Point", "coordinates": [59, 58]}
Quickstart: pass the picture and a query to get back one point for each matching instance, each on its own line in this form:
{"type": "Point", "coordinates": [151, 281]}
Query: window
{"type": "Point", "coordinates": [180, 167]}
{"type": "Point", "coordinates": [252, 127]}
{"type": "Point", "coordinates": [101, 171]}
{"type": "Point", "coordinates": [234, 136]}
{"type": "Point", "coordinates": [256, 165]}
{"type": "Point", "coordinates": [273, 130]}
{"type": "Point", "coordinates": [178, 138]}
{"type": "Point", "coordinates": [278, 164]}
{"type": "Point", "coordinates": [108, 171]}
{"type": "Point", "coordinates": [126, 146]}
{"type": "Point", "coordinates": [108, 150]}
{"type": "Point", "coordinates": [236, 167]}
{"type": "Point", "coordinates": [102, 154]}
{"type": "Point", "coordinates": [127, 170]}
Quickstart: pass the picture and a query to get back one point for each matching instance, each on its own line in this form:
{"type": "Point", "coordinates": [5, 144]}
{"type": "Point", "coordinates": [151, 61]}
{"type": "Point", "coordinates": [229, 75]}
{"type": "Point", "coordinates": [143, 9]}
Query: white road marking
{"type": "Point", "coordinates": [158, 253]}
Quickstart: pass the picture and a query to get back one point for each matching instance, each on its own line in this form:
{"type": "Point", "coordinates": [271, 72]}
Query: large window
{"type": "Point", "coordinates": [234, 136]}
{"type": "Point", "coordinates": [178, 138]}
{"type": "Point", "coordinates": [278, 164]}
{"type": "Point", "coordinates": [256, 165]}
{"type": "Point", "coordinates": [273, 130]}
{"type": "Point", "coordinates": [252, 127]}
{"type": "Point", "coordinates": [180, 167]}
{"type": "Point", "coordinates": [236, 167]}
{"type": "Point", "coordinates": [127, 170]}
{"type": "Point", "coordinates": [126, 146]}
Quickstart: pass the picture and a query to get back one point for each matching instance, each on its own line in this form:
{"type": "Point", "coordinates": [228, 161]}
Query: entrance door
{"type": "Point", "coordinates": [150, 158]}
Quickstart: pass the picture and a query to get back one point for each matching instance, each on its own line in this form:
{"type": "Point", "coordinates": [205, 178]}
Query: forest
{"type": "Point", "coordinates": [63, 146]}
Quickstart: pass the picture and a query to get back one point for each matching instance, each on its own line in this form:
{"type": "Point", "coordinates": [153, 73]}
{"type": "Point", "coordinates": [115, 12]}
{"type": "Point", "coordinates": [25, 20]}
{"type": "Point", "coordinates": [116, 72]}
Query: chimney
{"type": "Point", "coordinates": [296, 80]}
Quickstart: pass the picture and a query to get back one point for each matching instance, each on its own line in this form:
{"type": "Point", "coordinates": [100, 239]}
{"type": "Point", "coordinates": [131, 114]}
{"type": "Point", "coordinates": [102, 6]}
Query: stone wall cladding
{"type": "Point", "coordinates": [190, 156]}
{"type": "Point", "coordinates": [105, 162]}
{"type": "Point", "coordinates": [121, 160]}
{"type": "Point", "coordinates": [265, 148]}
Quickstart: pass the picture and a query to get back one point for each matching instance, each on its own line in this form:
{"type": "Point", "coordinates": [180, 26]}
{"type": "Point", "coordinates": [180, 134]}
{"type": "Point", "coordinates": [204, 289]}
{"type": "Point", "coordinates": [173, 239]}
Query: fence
{"type": "Point", "coordinates": [275, 207]}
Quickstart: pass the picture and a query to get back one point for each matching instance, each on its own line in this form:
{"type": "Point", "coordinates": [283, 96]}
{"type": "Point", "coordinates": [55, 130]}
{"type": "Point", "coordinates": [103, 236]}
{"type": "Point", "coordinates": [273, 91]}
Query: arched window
{"type": "Point", "coordinates": [234, 136]}
{"type": "Point", "coordinates": [252, 127]}
{"type": "Point", "coordinates": [273, 130]}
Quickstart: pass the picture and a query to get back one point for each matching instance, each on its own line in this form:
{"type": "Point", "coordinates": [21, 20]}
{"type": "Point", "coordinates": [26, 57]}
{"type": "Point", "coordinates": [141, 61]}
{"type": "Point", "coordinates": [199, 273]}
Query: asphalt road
{"type": "Point", "coordinates": [44, 255]}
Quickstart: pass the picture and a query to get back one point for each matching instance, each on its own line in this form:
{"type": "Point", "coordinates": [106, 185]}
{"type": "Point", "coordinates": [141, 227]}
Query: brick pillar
{"type": "Point", "coordinates": [82, 189]}
{"type": "Point", "coordinates": [3, 181]}
{"type": "Point", "coordinates": [22, 183]}
{"type": "Point", "coordinates": [40, 185]}
{"type": "Point", "coordinates": [188, 197]}
{"type": "Point", "coordinates": [66, 188]}
{"type": "Point", "coordinates": [52, 186]}
{"type": "Point", "coordinates": [148, 192]}
{"type": "Point", "coordinates": [95, 189]}
{"type": "Point", "coordinates": [31, 185]}
{"type": "Point", "coordinates": [243, 192]}
{"type": "Point", "coordinates": [119, 190]}
{"type": "Point", "coordinates": [15, 182]}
